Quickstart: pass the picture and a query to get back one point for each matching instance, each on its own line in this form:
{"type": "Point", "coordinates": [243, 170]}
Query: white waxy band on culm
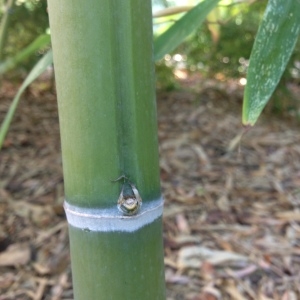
{"type": "Point", "coordinates": [111, 219]}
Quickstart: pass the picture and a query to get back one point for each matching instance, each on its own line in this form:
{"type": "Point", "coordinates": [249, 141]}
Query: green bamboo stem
{"type": "Point", "coordinates": [105, 83]}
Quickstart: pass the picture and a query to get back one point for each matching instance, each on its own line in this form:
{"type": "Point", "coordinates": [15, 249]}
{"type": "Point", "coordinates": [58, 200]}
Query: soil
{"type": "Point", "coordinates": [232, 199]}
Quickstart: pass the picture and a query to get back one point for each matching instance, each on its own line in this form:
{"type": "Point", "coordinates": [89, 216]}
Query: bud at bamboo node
{"type": "Point", "coordinates": [129, 204]}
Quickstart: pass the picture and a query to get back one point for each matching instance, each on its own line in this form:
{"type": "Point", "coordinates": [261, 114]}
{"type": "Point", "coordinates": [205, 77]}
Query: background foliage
{"type": "Point", "coordinates": [225, 49]}
{"type": "Point", "coordinates": [222, 46]}
{"type": "Point", "coordinates": [28, 19]}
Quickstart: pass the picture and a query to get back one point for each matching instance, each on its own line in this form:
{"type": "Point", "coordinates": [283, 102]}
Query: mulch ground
{"type": "Point", "coordinates": [232, 207]}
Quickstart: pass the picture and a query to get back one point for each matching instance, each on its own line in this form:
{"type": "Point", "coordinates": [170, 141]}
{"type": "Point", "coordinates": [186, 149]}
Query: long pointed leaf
{"type": "Point", "coordinates": [273, 46]}
{"type": "Point", "coordinates": [38, 69]}
{"type": "Point", "coordinates": [171, 38]}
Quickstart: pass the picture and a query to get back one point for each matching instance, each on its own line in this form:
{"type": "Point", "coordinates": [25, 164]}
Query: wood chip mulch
{"type": "Point", "coordinates": [232, 200]}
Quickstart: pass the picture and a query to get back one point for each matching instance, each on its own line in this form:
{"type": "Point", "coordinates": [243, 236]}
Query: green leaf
{"type": "Point", "coordinates": [171, 38]}
{"type": "Point", "coordinates": [273, 46]}
{"type": "Point", "coordinates": [38, 69]}
{"type": "Point", "coordinates": [12, 62]}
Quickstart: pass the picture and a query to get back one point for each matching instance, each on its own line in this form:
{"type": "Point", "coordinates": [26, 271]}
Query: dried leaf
{"type": "Point", "coordinates": [193, 257]}
{"type": "Point", "coordinates": [15, 255]}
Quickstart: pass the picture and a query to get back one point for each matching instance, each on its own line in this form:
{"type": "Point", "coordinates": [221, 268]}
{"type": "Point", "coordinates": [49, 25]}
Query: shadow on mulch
{"type": "Point", "coordinates": [232, 209]}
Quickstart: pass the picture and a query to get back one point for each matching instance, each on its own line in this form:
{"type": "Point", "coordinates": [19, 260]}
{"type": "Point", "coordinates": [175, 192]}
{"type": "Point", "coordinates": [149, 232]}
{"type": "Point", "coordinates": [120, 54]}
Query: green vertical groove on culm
{"type": "Point", "coordinates": [136, 111]}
